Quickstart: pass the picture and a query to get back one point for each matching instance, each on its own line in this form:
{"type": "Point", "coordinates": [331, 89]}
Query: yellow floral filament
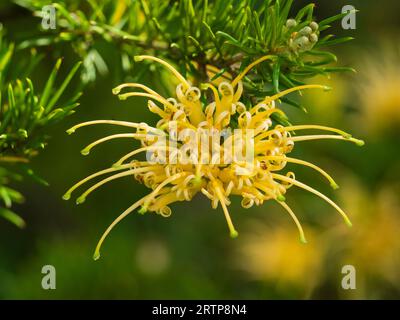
{"type": "Point", "coordinates": [296, 221]}
{"type": "Point", "coordinates": [232, 231]}
{"type": "Point", "coordinates": [114, 122]}
{"type": "Point", "coordinates": [67, 195]}
{"type": "Point", "coordinates": [166, 64]}
{"type": "Point", "coordinates": [304, 127]}
{"type": "Point", "coordinates": [317, 193]}
{"type": "Point", "coordinates": [135, 152]}
{"type": "Point", "coordinates": [96, 254]}
{"type": "Point", "coordinates": [249, 67]}
{"type": "Point", "coordinates": [160, 99]}
{"type": "Point", "coordinates": [304, 163]}
{"type": "Point", "coordinates": [118, 89]}
{"type": "Point", "coordinates": [286, 92]}
{"type": "Point", "coordinates": [84, 195]}
{"type": "Point", "coordinates": [87, 149]}
{"type": "Point", "coordinates": [320, 137]}
{"type": "Point", "coordinates": [265, 189]}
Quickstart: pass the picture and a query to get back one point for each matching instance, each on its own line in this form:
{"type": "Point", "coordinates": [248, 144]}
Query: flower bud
{"type": "Point", "coordinates": [313, 38]}
{"type": "Point", "coordinates": [314, 26]}
{"type": "Point", "coordinates": [305, 31]}
{"type": "Point", "coordinates": [291, 23]}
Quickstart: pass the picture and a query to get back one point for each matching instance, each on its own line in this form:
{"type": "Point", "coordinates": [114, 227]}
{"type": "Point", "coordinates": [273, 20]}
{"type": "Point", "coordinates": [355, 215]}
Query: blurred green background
{"type": "Point", "coordinates": [190, 255]}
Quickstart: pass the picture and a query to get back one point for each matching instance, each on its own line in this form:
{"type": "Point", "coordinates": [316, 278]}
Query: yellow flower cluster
{"type": "Point", "coordinates": [171, 181]}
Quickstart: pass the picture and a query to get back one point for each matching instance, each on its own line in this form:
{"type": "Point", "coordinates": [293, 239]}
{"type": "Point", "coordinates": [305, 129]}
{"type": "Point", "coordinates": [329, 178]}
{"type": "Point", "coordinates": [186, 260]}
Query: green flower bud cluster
{"type": "Point", "coordinates": [304, 39]}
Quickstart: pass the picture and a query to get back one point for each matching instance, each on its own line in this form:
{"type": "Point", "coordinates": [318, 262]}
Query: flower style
{"type": "Point", "coordinates": [201, 110]}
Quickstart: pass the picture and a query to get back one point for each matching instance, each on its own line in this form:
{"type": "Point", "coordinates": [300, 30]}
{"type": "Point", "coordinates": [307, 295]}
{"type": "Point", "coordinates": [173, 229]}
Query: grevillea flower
{"type": "Point", "coordinates": [201, 111]}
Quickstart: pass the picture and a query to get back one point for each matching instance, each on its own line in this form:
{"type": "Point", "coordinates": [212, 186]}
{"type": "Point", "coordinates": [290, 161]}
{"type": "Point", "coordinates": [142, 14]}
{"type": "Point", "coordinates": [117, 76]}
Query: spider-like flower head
{"type": "Point", "coordinates": [207, 141]}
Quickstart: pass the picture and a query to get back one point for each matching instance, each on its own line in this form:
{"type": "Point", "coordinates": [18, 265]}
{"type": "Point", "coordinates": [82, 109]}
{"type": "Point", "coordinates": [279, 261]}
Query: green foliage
{"type": "Point", "coordinates": [25, 115]}
{"type": "Point", "coordinates": [227, 34]}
